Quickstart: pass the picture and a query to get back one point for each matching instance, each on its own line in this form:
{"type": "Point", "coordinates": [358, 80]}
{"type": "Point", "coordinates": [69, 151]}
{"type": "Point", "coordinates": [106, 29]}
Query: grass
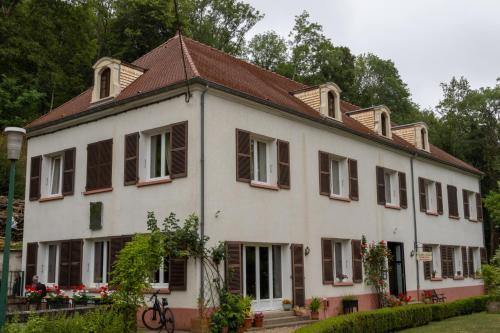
{"type": "Point", "coordinates": [475, 323]}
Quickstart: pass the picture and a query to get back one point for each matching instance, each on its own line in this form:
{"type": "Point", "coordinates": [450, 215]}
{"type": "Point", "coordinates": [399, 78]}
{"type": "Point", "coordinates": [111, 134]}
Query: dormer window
{"type": "Point", "coordinates": [324, 98]}
{"type": "Point", "coordinates": [331, 105]}
{"type": "Point", "coordinates": [417, 134]}
{"type": "Point", "coordinates": [105, 83]}
{"type": "Point", "coordinates": [422, 138]}
{"type": "Point", "coordinates": [383, 123]}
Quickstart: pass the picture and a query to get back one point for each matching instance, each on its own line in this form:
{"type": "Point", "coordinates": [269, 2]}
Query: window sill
{"type": "Point", "coordinates": [342, 284]}
{"type": "Point", "coordinates": [101, 190]}
{"type": "Point", "coordinates": [458, 278]}
{"type": "Point", "coordinates": [454, 217]}
{"type": "Point", "coordinates": [472, 220]}
{"type": "Point", "coordinates": [437, 279]}
{"type": "Point", "coordinates": [431, 213]}
{"type": "Point", "coordinates": [164, 291]}
{"type": "Point", "coordinates": [392, 206]}
{"type": "Point", "coordinates": [264, 186]}
{"type": "Point", "coordinates": [340, 198]}
{"type": "Point", "coordinates": [477, 277]}
{"type": "Point", "coordinates": [153, 182]}
{"type": "Point", "coordinates": [52, 198]}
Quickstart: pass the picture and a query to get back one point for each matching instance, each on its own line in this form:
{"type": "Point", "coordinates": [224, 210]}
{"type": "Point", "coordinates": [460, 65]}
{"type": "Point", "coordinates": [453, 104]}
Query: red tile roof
{"type": "Point", "coordinates": [164, 67]}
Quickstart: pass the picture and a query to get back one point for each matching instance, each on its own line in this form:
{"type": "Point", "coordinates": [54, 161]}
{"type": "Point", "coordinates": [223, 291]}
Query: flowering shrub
{"type": "Point", "coordinates": [80, 294]}
{"type": "Point", "coordinates": [404, 298]}
{"type": "Point", "coordinates": [392, 301]}
{"type": "Point", "coordinates": [33, 295]}
{"type": "Point", "coordinates": [375, 257]}
{"type": "Point", "coordinates": [56, 294]}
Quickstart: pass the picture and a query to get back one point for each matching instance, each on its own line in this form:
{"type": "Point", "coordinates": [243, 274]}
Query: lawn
{"type": "Point", "coordinates": [474, 323]}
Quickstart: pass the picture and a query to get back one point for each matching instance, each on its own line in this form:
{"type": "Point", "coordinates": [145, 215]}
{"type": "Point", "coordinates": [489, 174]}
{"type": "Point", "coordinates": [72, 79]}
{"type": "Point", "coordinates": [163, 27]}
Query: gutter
{"type": "Point", "coordinates": [415, 244]}
{"type": "Point", "coordinates": [202, 187]}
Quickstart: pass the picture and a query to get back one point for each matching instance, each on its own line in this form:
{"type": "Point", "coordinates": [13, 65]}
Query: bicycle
{"type": "Point", "coordinates": [159, 317]}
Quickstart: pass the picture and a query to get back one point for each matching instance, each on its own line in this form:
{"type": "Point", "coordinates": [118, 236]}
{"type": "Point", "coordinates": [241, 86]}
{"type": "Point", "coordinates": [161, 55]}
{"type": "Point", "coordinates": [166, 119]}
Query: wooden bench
{"type": "Point", "coordinates": [435, 297]}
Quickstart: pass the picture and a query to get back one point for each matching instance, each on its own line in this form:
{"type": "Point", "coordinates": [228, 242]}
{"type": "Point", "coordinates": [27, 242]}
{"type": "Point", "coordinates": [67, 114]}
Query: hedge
{"type": "Point", "coordinates": [397, 318]}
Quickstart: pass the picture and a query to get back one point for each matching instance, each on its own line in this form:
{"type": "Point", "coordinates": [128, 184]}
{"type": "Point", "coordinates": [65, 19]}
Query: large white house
{"type": "Point", "coordinates": [289, 176]}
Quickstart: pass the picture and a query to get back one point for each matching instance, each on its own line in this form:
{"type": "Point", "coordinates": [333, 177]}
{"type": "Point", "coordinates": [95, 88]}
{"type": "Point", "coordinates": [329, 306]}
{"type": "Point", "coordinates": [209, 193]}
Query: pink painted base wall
{"type": "Point", "coordinates": [182, 317]}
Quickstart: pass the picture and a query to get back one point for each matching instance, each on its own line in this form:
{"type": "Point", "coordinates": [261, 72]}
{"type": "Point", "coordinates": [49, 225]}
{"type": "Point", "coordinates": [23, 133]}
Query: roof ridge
{"type": "Point", "coordinates": [188, 56]}
{"type": "Point", "coordinates": [245, 62]}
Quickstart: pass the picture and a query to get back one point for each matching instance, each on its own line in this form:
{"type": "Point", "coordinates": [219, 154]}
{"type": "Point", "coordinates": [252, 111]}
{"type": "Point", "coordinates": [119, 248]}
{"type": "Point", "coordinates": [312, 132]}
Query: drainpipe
{"type": "Point", "coordinates": [415, 245]}
{"type": "Point", "coordinates": [202, 185]}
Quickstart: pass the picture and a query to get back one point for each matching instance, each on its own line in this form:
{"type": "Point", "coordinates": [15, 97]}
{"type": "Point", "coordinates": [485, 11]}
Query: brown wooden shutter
{"type": "Point", "coordinates": [298, 283]}
{"type": "Point", "coordinates": [233, 268]}
{"type": "Point", "coordinates": [327, 260]}
{"type": "Point", "coordinates": [177, 274]}
{"type": "Point", "coordinates": [422, 194]}
{"type": "Point", "coordinates": [353, 180]}
{"type": "Point", "coordinates": [324, 173]}
{"type": "Point", "coordinates": [75, 275]}
{"type": "Point", "coordinates": [439, 195]}
{"type": "Point", "coordinates": [479, 207]}
{"type": "Point", "coordinates": [472, 273]}
{"type": "Point", "coordinates": [357, 264]}
{"type": "Point", "coordinates": [444, 262]}
{"type": "Point", "coordinates": [484, 257]}
{"type": "Point", "coordinates": [31, 262]}
{"type": "Point", "coordinates": [243, 158]}
{"type": "Point", "coordinates": [68, 185]}
{"type": "Point", "coordinates": [427, 264]}
{"type": "Point", "coordinates": [131, 165]}
{"type": "Point", "coordinates": [465, 262]}
{"type": "Point", "coordinates": [452, 201]}
{"type": "Point", "coordinates": [64, 264]}
{"type": "Point", "coordinates": [92, 166]}
{"type": "Point", "coordinates": [106, 163]}
{"type": "Point", "coordinates": [283, 164]}
{"type": "Point", "coordinates": [380, 186]}
{"type": "Point", "coordinates": [403, 197]}
{"type": "Point", "coordinates": [179, 150]}
{"type": "Point", "coordinates": [35, 177]}
{"type": "Point", "coordinates": [465, 196]}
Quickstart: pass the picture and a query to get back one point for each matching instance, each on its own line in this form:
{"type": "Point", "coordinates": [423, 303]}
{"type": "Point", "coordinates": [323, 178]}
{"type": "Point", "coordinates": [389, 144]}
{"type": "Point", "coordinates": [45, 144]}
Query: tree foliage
{"type": "Point", "coordinates": [268, 50]}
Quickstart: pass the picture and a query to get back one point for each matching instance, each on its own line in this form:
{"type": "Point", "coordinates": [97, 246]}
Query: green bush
{"type": "Point", "coordinates": [398, 318]}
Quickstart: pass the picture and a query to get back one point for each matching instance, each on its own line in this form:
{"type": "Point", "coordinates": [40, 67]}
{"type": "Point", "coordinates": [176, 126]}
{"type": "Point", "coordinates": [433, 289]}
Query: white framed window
{"type": "Point", "coordinates": [161, 277]}
{"type": "Point", "coordinates": [55, 176]}
{"type": "Point", "coordinates": [391, 187]}
{"type": "Point", "coordinates": [431, 196]}
{"type": "Point", "coordinates": [52, 263]}
{"type": "Point", "coordinates": [100, 262]}
{"type": "Point", "coordinates": [261, 164]}
{"type": "Point", "coordinates": [339, 177]}
{"type": "Point", "coordinates": [471, 199]}
{"type": "Point", "coordinates": [159, 159]}
{"type": "Point", "coordinates": [476, 259]}
{"type": "Point", "coordinates": [436, 261]}
{"type": "Point", "coordinates": [342, 259]}
{"type": "Point", "coordinates": [457, 261]}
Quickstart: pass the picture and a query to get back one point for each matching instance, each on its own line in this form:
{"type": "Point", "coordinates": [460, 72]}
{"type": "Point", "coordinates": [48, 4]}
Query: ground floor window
{"type": "Point", "coordinates": [162, 276]}
{"type": "Point", "coordinates": [52, 263]}
{"type": "Point", "coordinates": [101, 249]}
{"type": "Point", "coordinates": [262, 272]}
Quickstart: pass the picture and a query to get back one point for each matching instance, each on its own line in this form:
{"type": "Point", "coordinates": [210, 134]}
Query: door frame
{"type": "Point", "coordinates": [392, 265]}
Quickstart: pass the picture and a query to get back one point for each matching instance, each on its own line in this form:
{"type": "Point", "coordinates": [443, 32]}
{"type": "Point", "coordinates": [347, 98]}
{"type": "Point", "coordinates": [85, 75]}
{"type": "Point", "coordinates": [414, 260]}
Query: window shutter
{"type": "Point", "coordinates": [452, 201]}
{"type": "Point", "coordinates": [403, 198]}
{"type": "Point", "coordinates": [380, 186]}
{"type": "Point", "coordinates": [357, 264]}
{"type": "Point", "coordinates": [298, 285]}
{"type": "Point", "coordinates": [479, 207]}
{"type": "Point", "coordinates": [484, 258]}
{"type": "Point", "coordinates": [243, 159]}
{"type": "Point", "coordinates": [31, 261]}
{"type": "Point", "coordinates": [35, 177]}
{"type": "Point", "coordinates": [324, 174]}
{"type": "Point", "coordinates": [422, 194]}
{"type": "Point", "coordinates": [106, 163]}
{"type": "Point", "coordinates": [327, 260]}
{"type": "Point", "coordinates": [472, 273]}
{"type": "Point", "coordinates": [64, 264]}
{"type": "Point", "coordinates": [444, 262]}
{"type": "Point", "coordinates": [465, 196]}
{"type": "Point", "coordinates": [353, 180]}
{"type": "Point", "coordinates": [283, 164]}
{"type": "Point", "coordinates": [179, 148]}
{"type": "Point", "coordinates": [75, 276]}
{"type": "Point", "coordinates": [131, 165]}
{"type": "Point", "coordinates": [451, 262]}
{"type": "Point", "coordinates": [427, 264]}
{"type": "Point", "coordinates": [178, 273]}
{"type": "Point", "coordinates": [68, 185]}
{"type": "Point", "coordinates": [439, 195]}
{"type": "Point", "coordinates": [92, 166]}
{"type": "Point", "coordinates": [465, 262]}
{"type": "Point", "coordinates": [233, 268]}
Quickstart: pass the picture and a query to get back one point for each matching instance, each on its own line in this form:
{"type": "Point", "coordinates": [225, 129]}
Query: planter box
{"type": "Point", "coordinates": [287, 307]}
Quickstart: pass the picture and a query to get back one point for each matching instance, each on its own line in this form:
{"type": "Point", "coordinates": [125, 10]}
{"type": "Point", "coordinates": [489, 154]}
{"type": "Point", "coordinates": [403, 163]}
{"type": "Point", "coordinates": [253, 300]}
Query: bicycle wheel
{"type": "Point", "coordinates": [169, 320]}
{"type": "Point", "coordinates": [152, 319]}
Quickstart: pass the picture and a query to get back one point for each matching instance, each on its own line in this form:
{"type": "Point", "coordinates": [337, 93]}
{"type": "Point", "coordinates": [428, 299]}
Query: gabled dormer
{"type": "Point", "coordinates": [111, 76]}
{"type": "Point", "coordinates": [417, 134]}
{"type": "Point", "coordinates": [324, 98]}
{"type": "Point", "coordinates": [376, 118]}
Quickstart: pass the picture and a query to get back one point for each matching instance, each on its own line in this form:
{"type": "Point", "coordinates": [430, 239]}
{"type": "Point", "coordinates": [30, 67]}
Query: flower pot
{"type": "Point", "coordinates": [287, 307]}
{"type": "Point", "coordinates": [314, 315]}
{"type": "Point", "coordinates": [225, 329]}
{"type": "Point", "coordinates": [248, 323]}
{"type": "Point", "coordinates": [259, 322]}
{"type": "Point", "coordinates": [57, 304]}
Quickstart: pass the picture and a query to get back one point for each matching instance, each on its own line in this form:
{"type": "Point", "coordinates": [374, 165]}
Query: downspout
{"type": "Point", "coordinates": [415, 245]}
{"type": "Point", "coordinates": [202, 187]}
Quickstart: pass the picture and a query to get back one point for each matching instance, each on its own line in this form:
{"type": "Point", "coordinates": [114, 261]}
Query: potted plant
{"type": "Point", "coordinates": [56, 298]}
{"type": "Point", "coordinates": [33, 296]}
{"type": "Point", "coordinates": [314, 307]}
{"type": "Point", "coordinates": [246, 306]}
{"type": "Point", "coordinates": [287, 304]}
{"type": "Point", "coordinates": [434, 274]}
{"type": "Point", "coordinates": [341, 277]}
{"type": "Point", "coordinates": [427, 296]}
{"type": "Point", "coordinates": [259, 319]}
{"type": "Point", "coordinates": [349, 303]}
{"type": "Point", "coordinates": [104, 296]}
{"type": "Point", "coordinates": [80, 296]}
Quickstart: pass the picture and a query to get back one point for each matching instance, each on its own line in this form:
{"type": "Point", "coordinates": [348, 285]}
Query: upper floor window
{"type": "Point", "coordinates": [331, 105]}
{"type": "Point", "coordinates": [383, 124]}
{"type": "Point", "coordinates": [391, 188]}
{"type": "Point", "coordinates": [159, 155]}
{"type": "Point", "coordinates": [99, 165]}
{"type": "Point", "coordinates": [338, 176]}
{"type": "Point", "coordinates": [105, 83]}
{"type": "Point", "coordinates": [473, 209]}
{"type": "Point", "coordinates": [260, 162]}
{"type": "Point", "coordinates": [422, 138]}
{"type": "Point", "coordinates": [55, 179]}
{"type": "Point", "coordinates": [430, 196]}
{"type": "Point", "coordinates": [452, 201]}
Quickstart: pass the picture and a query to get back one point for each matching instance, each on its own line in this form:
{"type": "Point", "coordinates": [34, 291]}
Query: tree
{"type": "Point", "coordinates": [268, 50]}
{"type": "Point", "coordinates": [492, 203]}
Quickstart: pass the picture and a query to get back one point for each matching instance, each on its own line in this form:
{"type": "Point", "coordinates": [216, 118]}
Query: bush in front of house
{"type": "Point", "coordinates": [397, 318]}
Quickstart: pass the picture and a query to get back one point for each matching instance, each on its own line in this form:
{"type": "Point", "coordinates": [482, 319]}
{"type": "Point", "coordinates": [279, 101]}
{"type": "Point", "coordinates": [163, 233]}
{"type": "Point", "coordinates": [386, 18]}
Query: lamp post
{"type": "Point", "coordinates": [15, 137]}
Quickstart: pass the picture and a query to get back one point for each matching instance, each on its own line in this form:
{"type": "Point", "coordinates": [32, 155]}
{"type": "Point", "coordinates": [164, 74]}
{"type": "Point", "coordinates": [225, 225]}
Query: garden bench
{"type": "Point", "coordinates": [436, 298]}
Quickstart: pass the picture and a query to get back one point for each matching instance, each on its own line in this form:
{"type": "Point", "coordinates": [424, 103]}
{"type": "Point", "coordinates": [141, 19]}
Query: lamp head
{"type": "Point", "coordinates": [15, 137]}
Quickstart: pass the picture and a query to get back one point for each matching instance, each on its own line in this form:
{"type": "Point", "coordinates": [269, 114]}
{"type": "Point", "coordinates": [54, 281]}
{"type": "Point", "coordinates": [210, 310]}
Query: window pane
{"type": "Point", "coordinates": [335, 177]}
{"type": "Point", "coordinates": [262, 160]}
{"type": "Point", "coordinates": [388, 192]}
{"type": "Point", "coordinates": [250, 271]}
{"type": "Point", "coordinates": [167, 154]}
{"type": "Point", "coordinates": [277, 271]}
{"type": "Point", "coordinates": [51, 274]}
{"type": "Point", "coordinates": [338, 260]}
{"type": "Point", "coordinates": [264, 272]}
{"type": "Point", "coordinates": [56, 175]}
{"type": "Point", "coordinates": [155, 162]}
{"type": "Point", "coordinates": [98, 262]}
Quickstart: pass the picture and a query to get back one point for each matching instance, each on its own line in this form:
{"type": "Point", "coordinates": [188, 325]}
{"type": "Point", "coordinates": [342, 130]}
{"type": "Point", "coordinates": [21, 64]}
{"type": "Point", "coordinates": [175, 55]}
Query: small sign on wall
{"type": "Point", "coordinates": [95, 215]}
{"type": "Point", "coordinates": [424, 256]}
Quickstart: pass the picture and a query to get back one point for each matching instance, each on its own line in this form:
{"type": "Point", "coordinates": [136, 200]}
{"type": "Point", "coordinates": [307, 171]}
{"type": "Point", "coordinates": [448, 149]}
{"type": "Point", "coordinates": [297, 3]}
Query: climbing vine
{"type": "Point", "coordinates": [375, 258]}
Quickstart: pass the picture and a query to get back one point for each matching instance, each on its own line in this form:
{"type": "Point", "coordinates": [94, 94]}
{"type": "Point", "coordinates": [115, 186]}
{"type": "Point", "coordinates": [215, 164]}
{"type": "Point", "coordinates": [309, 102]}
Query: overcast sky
{"type": "Point", "coordinates": [429, 40]}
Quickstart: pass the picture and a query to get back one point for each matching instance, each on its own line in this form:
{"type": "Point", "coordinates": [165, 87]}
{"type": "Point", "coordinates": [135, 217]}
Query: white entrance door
{"type": "Point", "coordinates": [262, 278]}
